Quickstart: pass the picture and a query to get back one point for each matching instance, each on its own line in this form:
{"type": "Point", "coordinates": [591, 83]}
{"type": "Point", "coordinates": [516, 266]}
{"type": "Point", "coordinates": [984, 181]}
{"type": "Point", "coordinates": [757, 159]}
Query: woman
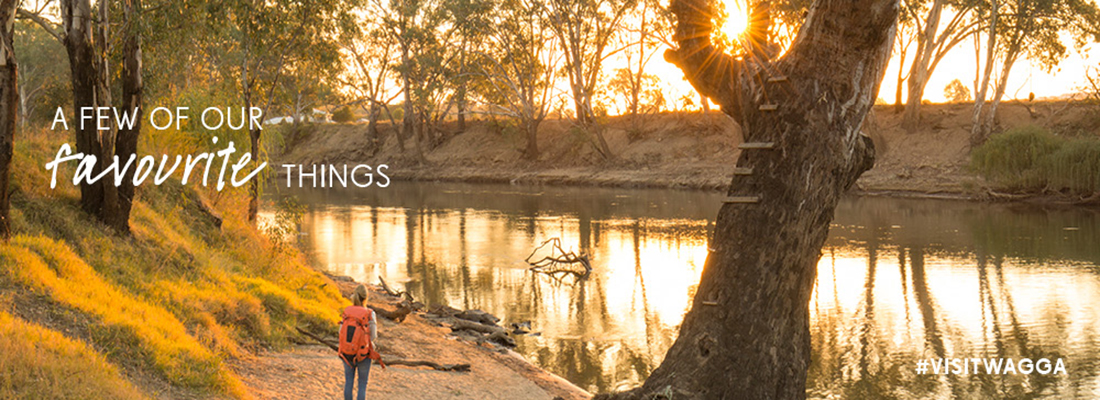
{"type": "Point", "coordinates": [354, 347]}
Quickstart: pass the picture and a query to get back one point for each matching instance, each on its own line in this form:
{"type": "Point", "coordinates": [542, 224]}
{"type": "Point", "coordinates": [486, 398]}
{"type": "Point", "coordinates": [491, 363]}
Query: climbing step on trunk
{"type": "Point", "coordinates": [742, 199]}
{"type": "Point", "coordinates": [756, 146]}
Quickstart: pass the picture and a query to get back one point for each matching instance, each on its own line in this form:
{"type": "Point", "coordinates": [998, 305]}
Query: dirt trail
{"type": "Point", "coordinates": [314, 372]}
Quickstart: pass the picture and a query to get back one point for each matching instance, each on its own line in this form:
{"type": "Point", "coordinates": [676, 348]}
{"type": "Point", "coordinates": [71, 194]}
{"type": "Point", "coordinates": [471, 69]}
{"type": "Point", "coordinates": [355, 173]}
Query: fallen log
{"type": "Point", "coordinates": [461, 324]}
{"type": "Point", "coordinates": [398, 315]}
{"type": "Point", "coordinates": [396, 293]}
{"type": "Point", "coordinates": [493, 333]}
{"type": "Point", "coordinates": [421, 363]}
{"type": "Point", "coordinates": [390, 291]}
{"type": "Point", "coordinates": [395, 361]}
{"type": "Point", "coordinates": [478, 316]}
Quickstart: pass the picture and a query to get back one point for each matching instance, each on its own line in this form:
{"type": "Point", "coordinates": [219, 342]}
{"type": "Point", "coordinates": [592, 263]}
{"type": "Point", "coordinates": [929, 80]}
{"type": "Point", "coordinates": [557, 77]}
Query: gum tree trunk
{"type": "Point", "coordinates": [9, 108]}
{"type": "Point", "coordinates": [77, 27]}
{"type": "Point", "coordinates": [747, 332]}
{"type": "Point", "coordinates": [132, 91]}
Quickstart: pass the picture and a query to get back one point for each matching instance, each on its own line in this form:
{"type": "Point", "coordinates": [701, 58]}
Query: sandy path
{"type": "Point", "coordinates": [314, 372]}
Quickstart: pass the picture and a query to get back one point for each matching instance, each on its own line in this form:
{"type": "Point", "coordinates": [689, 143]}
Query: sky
{"type": "Point", "coordinates": [1025, 77]}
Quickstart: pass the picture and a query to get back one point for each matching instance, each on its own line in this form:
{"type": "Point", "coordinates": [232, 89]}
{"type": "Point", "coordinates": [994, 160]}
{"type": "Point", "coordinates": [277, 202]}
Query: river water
{"type": "Point", "coordinates": [898, 281]}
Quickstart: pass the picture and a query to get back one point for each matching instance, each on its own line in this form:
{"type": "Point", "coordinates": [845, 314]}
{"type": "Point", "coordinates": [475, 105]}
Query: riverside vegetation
{"type": "Point", "coordinates": [87, 313]}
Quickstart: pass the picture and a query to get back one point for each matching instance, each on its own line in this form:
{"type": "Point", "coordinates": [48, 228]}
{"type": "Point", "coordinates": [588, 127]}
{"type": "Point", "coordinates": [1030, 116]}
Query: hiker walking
{"type": "Point", "coordinates": [357, 334]}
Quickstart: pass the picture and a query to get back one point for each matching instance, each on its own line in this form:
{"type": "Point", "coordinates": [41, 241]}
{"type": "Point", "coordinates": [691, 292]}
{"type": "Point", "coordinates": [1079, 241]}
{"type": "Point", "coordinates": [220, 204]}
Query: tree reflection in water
{"type": "Point", "coordinates": [898, 281]}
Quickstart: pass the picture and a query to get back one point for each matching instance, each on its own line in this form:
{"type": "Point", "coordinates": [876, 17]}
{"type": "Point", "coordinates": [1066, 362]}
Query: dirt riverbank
{"type": "Point", "coordinates": [313, 371]}
{"type": "Point", "coordinates": [678, 150]}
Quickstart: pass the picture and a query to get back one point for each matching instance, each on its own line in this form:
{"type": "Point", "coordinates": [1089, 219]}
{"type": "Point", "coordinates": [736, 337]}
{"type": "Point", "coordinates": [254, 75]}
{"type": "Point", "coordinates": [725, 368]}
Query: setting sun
{"type": "Point", "coordinates": [736, 23]}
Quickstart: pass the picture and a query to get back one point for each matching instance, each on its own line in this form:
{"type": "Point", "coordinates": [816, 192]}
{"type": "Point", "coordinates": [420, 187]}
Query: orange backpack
{"type": "Point", "coordinates": [355, 343]}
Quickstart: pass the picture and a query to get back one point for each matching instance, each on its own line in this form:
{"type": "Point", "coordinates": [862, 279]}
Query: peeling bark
{"type": "Point", "coordinates": [9, 108]}
{"type": "Point", "coordinates": [747, 332]}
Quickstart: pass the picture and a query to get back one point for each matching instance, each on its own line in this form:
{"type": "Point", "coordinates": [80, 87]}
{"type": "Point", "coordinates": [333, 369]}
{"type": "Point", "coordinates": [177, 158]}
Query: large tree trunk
{"type": "Point", "coordinates": [747, 332]}
{"type": "Point", "coordinates": [108, 210]}
{"type": "Point", "coordinates": [9, 108]}
{"type": "Point", "coordinates": [90, 78]}
{"type": "Point", "coordinates": [132, 93]}
{"type": "Point", "coordinates": [77, 23]}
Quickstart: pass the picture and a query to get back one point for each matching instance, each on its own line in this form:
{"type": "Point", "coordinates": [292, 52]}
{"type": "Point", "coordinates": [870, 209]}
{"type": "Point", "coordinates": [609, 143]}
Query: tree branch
{"type": "Point", "coordinates": [46, 25]}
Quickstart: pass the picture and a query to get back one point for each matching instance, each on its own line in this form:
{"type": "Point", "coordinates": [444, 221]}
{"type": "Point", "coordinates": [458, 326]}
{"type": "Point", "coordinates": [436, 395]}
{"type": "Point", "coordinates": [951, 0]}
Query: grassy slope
{"type": "Point", "coordinates": [168, 305]}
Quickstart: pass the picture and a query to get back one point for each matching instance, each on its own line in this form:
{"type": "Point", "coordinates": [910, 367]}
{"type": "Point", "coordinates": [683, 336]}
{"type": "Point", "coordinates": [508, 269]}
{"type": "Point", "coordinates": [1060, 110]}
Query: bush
{"type": "Point", "coordinates": [1032, 159]}
{"type": "Point", "coordinates": [343, 115]}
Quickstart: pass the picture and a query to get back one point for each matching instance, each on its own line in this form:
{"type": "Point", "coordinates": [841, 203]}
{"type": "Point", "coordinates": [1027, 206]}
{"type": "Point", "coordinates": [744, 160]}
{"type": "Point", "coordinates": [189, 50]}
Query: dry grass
{"type": "Point", "coordinates": [177, 298]}
{"type": "Point", "coordinates": [38, 363]}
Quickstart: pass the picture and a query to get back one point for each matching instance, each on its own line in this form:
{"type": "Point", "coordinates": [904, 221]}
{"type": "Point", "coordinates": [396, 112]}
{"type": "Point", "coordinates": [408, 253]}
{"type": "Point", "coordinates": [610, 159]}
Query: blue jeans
{"type": "Point", "coordinates": [349, 377]}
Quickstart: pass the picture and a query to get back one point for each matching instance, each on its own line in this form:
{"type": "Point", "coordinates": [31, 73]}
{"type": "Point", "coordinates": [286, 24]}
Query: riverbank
{"type": "Point", "coordinates": [679, 150]}
{"type": "Point", "coordinates": [313, 371]}
{"type": "Point", "coordinates": [196, 304]}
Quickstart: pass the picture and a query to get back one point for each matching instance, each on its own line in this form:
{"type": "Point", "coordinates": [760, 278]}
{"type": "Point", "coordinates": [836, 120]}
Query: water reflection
{"type": "Point", "coordinates": [898, 280]}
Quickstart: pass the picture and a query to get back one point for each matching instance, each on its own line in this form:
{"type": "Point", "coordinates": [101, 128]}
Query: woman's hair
{"type": "Point", "coordinates": [359, 296]}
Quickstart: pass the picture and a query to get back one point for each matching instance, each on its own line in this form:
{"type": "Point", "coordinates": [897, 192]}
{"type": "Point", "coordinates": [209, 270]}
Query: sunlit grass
{"type": "Point", "coordinates": [38, 363]}
{"type": "Point", "coordinates": [179, 297]}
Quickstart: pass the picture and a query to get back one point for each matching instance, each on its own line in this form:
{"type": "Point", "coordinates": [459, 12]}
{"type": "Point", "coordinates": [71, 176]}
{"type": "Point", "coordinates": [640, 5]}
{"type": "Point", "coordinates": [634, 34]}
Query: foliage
{"type": "Point", "coordinates": [343, 115]}
{"type": "Point", "coordinates": [43, 73]}
{"type": "Point", "coordinates": [1032, 159]}
{"type": "Point", "coordinates": [282, 230]}
{"type": "Point", "coordinates": [626, 85]}
{"type": "Point", "coordinates": [956, 92]}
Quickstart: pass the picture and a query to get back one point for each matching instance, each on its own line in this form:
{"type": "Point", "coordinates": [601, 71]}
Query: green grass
{"type": "Point", "coordinates": [178, 299]}
{"type": "Point", "coordinates": [1031, 159]}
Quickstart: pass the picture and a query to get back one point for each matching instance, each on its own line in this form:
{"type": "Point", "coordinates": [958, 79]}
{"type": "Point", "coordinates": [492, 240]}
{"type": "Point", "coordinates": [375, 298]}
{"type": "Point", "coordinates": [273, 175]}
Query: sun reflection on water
{"type": "Point", "coordinates": [897, 281]}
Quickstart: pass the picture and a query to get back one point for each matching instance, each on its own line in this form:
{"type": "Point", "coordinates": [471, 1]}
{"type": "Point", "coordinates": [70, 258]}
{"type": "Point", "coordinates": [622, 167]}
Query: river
{"type": "Point", "coordinates": [898, 281]}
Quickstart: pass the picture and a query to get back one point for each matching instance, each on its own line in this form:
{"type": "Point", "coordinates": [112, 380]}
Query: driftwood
{"type": "Point", "coordinates": [478, 316]}
{"type": "Point", "coordinates": [390, 291]}
{"type": "Point", "coordinates": [408, 298]}
{"type": "Point", "coordinates": [492, 332]}
{"type": "Point", "coordinates": [559, 262]}
{"type": "Point", "coordinates": [444, 310]}
{"type": "Point", "coordinates": [395, 361]}
{"type": "Point", "coordinates": [461, 324]}
{"type": "Point", "coordinates": [422, 363]}
{"type": "Point", "coordinates": [397, 316]}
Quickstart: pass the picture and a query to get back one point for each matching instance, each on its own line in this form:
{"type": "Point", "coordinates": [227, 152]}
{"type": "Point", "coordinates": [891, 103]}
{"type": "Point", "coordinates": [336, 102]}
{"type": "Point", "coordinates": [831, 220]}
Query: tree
{"type": "Point", "coordinates": [1029, 28]}
{"type": "Point", "coordinates": [268, 38]}
{"type": "Point", "coordinates": [633, 84]}
{"type": "Point", "coordinates": [746, 334]}
{"type": "Point", "coordinates": [419, 27]}
{"type": "Point", "coordinates": [516, 76]}
{"type": "Point", "coordinates": [472, 21]}
{"type": "Point", "coordinates": [956, 92]}
{"type": "Point", "coordinates": [635, 93]}
{"type": "Point", "coordinates": [908, 30]}
{"type": "Point", "coordinates": [933, 43]}
{"type": "Point", "coordinates": [89, 65]}
{"type": "Point", "coordinates": [371, 53]}
{"type": "Point", "coordinates": [585, 30]}
{"type": "Point", "coordinates": [9, 98]}
{"type": "Point", "coordinates": [42, 71]}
